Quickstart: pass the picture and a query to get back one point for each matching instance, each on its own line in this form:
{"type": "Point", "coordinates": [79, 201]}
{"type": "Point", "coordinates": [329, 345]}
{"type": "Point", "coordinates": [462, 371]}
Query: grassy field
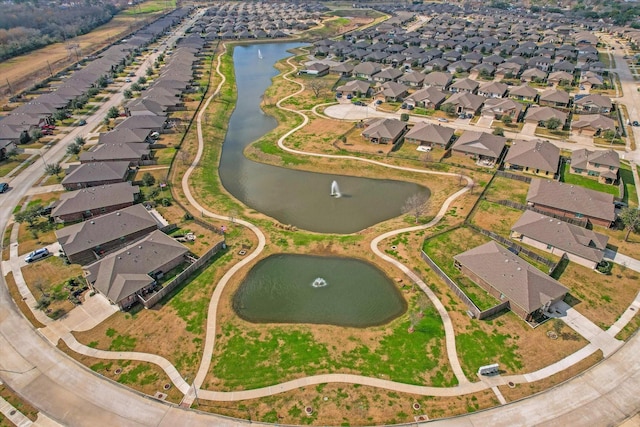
{"type": "Point", "coordinates": [587, 182]}
{"type": "Point", "coordinates": [7, 166]}
{"type": "Point", "coordinates": [508, 189]}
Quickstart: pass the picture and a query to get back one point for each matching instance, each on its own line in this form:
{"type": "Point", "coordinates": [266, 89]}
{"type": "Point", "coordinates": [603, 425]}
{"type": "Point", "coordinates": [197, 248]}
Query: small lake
{"type": "Point", "coordinates": [290, 288]}
{"type": "Point", "coordinates": [295, 197]}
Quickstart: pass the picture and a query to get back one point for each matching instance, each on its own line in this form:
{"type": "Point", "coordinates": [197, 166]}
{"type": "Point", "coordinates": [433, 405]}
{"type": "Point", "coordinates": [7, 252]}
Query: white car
{"type": "Point", "coordinates": [441, 119]}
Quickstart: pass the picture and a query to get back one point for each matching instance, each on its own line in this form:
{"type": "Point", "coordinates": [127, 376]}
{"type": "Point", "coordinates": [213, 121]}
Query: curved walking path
{"type": "Point", "coordinates": [464, 387]}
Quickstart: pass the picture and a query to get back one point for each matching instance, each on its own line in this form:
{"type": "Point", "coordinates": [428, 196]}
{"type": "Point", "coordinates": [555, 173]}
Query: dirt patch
{"type": "Point", "coordinates": [22, 305]}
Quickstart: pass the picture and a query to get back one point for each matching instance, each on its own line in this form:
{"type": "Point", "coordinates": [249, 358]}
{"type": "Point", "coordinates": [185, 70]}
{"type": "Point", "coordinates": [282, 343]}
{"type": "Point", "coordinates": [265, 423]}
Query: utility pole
{"type": "Point", "coordinates": [10, 89]}
{"type": "Point", "coordinates": [50, 72]}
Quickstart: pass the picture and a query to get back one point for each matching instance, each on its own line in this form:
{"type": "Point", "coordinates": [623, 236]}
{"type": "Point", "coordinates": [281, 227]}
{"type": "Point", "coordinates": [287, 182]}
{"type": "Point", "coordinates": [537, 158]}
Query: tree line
{"type": "Point", "coordinates": [25, 26]}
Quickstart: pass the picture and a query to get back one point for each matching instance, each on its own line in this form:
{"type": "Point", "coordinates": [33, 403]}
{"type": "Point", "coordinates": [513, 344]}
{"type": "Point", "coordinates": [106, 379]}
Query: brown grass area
{"type": "Point", "coordinates": [157, 331]}
{"type": "Point", "coordinates": [50, 274]}
{"type": "Point", "coordinates": [629, 330]}
{"type": "Point", "coordinates": [28, 243]}
{"type": "Point", "coordinates": [151, 378]}
{"type": "Point", "coordinates": [318, 135]}
{"type": "Point", "coordinates": [523, 390]}
{"type": "Point", "coordinates": [25, 70]}
{"type": "Point", "coordinates": [603, 298]}
{"type": "Point", "coordinates": [507, 189]}
{"type": "Point", "coordinates": [22, 305]}
{"type": "Point", "coordinates": [616, 240]}
{"type": "Point", "coordinates": [19, 403]}
{"type": "Point", "coordinates": [495, 217]}
{"type": "Point", "coordinates": [348, 404]}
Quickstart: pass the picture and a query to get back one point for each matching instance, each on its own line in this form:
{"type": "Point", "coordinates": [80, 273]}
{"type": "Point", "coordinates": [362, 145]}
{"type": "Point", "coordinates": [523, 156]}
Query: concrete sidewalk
{"type": "Point", "coordinates": [621, 259]}
{"type": "Point", "coordinates": [585, 327]}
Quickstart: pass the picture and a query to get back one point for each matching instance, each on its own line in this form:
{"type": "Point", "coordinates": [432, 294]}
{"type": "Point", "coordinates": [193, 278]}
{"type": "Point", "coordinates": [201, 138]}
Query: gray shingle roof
{"type": "Point", "coordinates": [95, 198]}
{"type": "Point", "coordinates": [535, 154]}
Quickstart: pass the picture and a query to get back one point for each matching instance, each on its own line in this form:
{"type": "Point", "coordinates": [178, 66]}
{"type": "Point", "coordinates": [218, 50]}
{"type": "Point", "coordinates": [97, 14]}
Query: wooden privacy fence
{"type": "Point", "coordinates": [152, 299]}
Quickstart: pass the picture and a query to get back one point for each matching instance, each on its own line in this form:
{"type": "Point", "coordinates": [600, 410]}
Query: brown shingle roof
{"type": "Point", "coordinates": [536, 154]}
{"type": "Point", "coordinates": [568, 237]}
{"type": "Point", "coordinates": [571, 198]}
{"type": "Point", "coordinates": [520, 282]}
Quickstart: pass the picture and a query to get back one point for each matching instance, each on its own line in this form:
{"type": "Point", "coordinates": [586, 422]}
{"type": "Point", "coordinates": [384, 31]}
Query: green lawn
{"type": "Point", "coordinates": [7, 166]}
{"type": "Point", "coordinates": [478, 348]}
{"type": "Point", "coordinates": [630, 190]}
{"type": "Point", "coordinates": [251, 360]}
{"type": "Point", "coordinates": [587, 182]}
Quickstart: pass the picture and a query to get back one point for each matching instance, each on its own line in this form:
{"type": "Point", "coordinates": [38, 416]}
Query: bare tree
{"type": "Point", "coordinates": [317, 87]}
{"type": "Point", "coordinates": [414, 319]}
{"type": "Point", "coordinates": [183, 156]}
{"type": "Point", "coordinates": [416, 205]}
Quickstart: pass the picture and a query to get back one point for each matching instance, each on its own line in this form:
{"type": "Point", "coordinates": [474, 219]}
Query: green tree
{"type": "Point", "coordinates": [630, 218]}
{"type": "Point", "coordinates": [506, 119]}
{"type": "Point", "coordinates": [149, 71]}
{"type": "Point", "coordinates": [59, 115]}
{"type": "Point", "coordinates": [127, 94]}
{"type": "Point", "coordinates": [142, 80]}
{"type": "Point", "coordinates": [148, 180]}
{"type": "Point", "coordinates": [449, 108]}
{"type": "Point", "coordinates": [113, 112]}
{"type": "Point", "coordinates": [29, 215]}
{"type": "Point", "coordinates": [404, 117]}
{"type": "Point", "coordinates": [136, 87]}
{"type": "Point", "coordinates": [553, 123]}
{"type": "Point", "coordinates": [35, 134]}
{"type": "Point", "coordinates": [53, 169]}
{"type": "Point", "coordinates": [73, 149]}
{"type": "Point", "coordinates": [80, 140]}
{"type": "Point", "coordinates": [498, 131]}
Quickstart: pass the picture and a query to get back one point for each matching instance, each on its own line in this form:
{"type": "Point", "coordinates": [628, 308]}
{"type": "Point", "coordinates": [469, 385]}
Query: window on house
{"type": "Point", "coordinates": [579, 215]}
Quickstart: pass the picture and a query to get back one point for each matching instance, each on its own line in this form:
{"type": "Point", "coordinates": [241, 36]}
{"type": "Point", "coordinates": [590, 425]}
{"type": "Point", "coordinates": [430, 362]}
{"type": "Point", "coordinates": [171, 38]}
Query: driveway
{"type": "Point", "coordinates": [621, 259]}
{"type": "Point", "coordinates": [484, 122]}
{"type": "Point", "coordinates": [529, 129]}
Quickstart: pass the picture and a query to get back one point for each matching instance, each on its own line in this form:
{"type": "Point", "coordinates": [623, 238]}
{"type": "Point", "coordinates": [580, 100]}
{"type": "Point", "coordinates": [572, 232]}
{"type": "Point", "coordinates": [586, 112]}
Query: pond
{"type": "Point", "coordinates": [299, 198]}
{"type": "Point", "coordinates": [289, 288]}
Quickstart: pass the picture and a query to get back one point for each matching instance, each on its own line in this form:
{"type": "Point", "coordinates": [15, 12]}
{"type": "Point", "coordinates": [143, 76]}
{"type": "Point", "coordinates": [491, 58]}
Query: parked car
{"type": "Point", "coordinates": [37, 254]}
{"type": "Point", "coordinates": [360, 103]}
{"type": "Point", "coordinates": [379, 101]}
{"type": "Point", "coordinates": [620, 204]}
{"type": "Point", "coordinates": [636, 123]}
{"type": "Point", "coordinates": [82, 122]}
{"type": "Point", "coordinates": [127, 80]}
{"type": "Point", "coordinates": [339, 95]}
{"type": "Point", "coordinates": [4, 187]}
{"type": "Point", "coordinates": [349, 96]}
{"type": "Point", "coordinates": [442, 119]}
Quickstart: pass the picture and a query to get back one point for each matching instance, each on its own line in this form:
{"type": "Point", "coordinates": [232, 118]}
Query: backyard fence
{"type": "Point", "coordinates": [584, 223]}
{"type": "Point", "coordinates": [514, 176]}
{"type": "Point", "coordinates": [152, 299]}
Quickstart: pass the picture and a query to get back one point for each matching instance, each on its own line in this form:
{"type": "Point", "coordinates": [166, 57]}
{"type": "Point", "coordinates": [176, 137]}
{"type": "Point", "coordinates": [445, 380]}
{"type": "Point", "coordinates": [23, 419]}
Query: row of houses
{"type": "Point", "coordinates": [119, 242]}
{"type": "Point", "coordinates": [536, 157]}
{"type": "Point", "coordinates": [258, 20]}
{"type": "Point", "coordinates": [129, 144]}
{"type": "Point", "coordinates": [38, 112]}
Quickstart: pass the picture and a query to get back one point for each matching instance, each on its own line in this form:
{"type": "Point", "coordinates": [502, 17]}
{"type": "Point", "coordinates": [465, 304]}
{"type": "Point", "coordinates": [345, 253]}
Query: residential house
{"type": "Point", "coordinates": [427, 134]}
{"type": "Point", "coordinates": [593, 103]}
{"type": "Point", "coordinates": [499, 107]}
{"type": "Point", "coordinates": [412, 79]}
{"type": "Point", "coordinates": [436, 64]}
{"type": "Point", "coordinates": [149, 122]}
{"type": "Point", "coordinates": [540, 62]}
{"type": "Point", "coordinates": [459, 67]}
{"type": "Point", "coordinates": [507, 277]}
{"type": "Point", "coordinates": [508, 70]}
{"type": "Point", "coordinates": [429, 98]}
{"type": "Point", "coordinates": [492, 90]}
{"type": "Point", "coordinates": [554, 98]}
{"type": "Point", "coordinates": [357, 88]}
{"type": "Point", "coordinates": [560, 77]}
{"type": "Point", "coordinates": [135, 154]}
{"type": "Point", "coordinates": [571, 201]}
{"type": "Point", "coordinates": [592, 124]}
{"type": "Point", "coordinates": [532, 75]}
{"type": "Point", "coordinates": [94, 201]}
{"type": "Point", "coordinates": [316, 69]}
{"type": "Point", "coordinates": [579, 244]}
{"type": "Point", "coordinates": [125, 136]}
{"type": "Point", "coordinates": [542, 115]}
{"type": "Point", "coordinates": [387, 75]}
{"type": "Point", "coordinates": [344, 69]}
{"type": "Point", "coordinates": [366, 70]}
{"type": "Point", "coordinates": [132, 271]}
{"type": "Point", "coordinates": [437, 79]}
{"type": "Point", "coordinates": [464, 85]}
{"type": "Point", "coordinates": [94, 174]}
{"type": "Point", "coordinates": [603, 164]}
{"type": "Point", "coordinates": [590, 80]}
{"type": "Point", "coordinates": [484, 147]}
{"type": "Point", "coordinates": [87, 241]}
{"type": "Point", "coordinates": [465, 102]}
{"type": "Point", "coordinates": [536, 157]}
{"type": "Point", "coordinates": [384, 131]}
{"type": "Point", "coordinates": [523, 93]}
{"type": "Point", "coordinates": [393, 92]}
